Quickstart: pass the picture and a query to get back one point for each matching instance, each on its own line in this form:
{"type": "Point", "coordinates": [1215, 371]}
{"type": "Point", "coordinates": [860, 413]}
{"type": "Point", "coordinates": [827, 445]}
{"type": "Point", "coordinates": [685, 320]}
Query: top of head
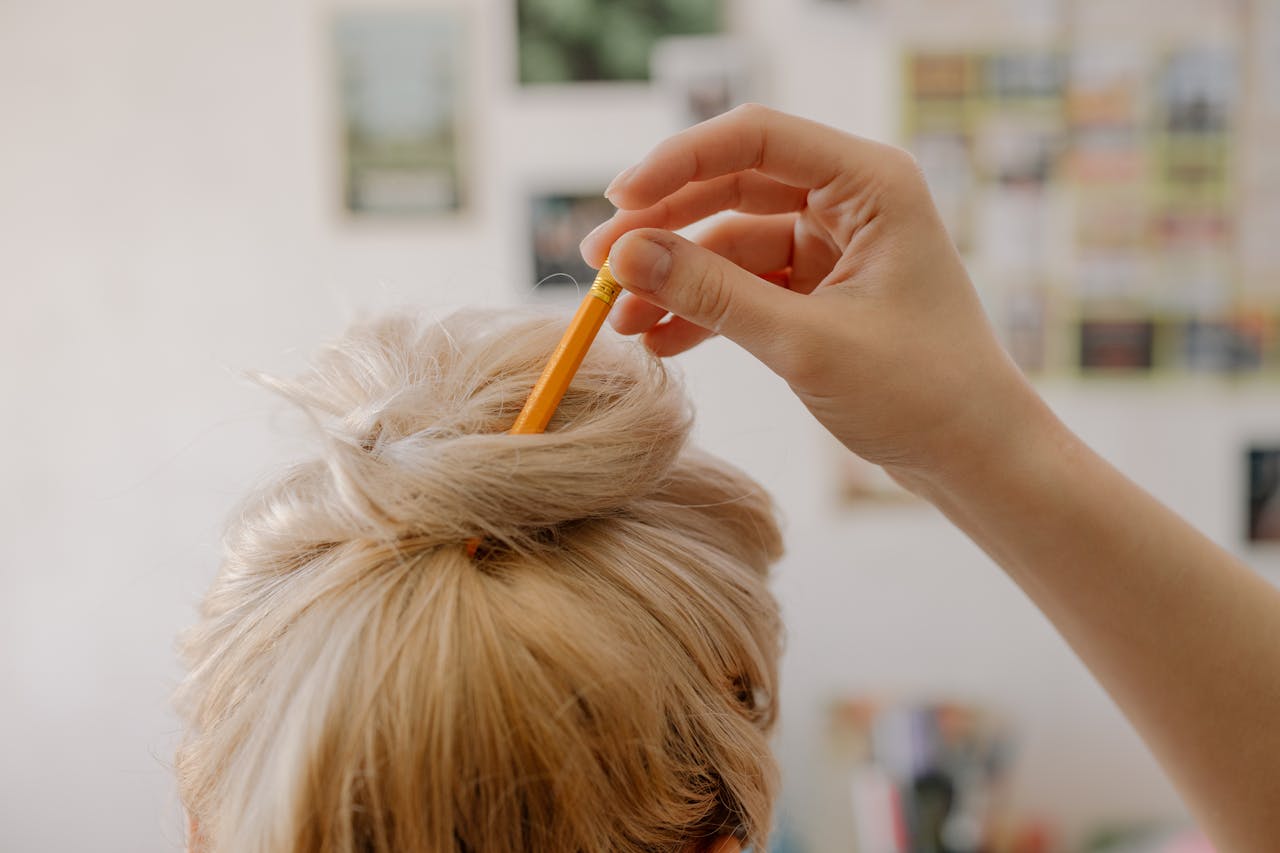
{"type": "Point", "coordinates": [600, 679]}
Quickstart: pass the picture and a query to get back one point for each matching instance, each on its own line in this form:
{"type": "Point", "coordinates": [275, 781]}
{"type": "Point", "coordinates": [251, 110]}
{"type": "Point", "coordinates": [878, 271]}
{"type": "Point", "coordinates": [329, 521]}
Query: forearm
{"type": "Point", "coordinates": [1184, 637]}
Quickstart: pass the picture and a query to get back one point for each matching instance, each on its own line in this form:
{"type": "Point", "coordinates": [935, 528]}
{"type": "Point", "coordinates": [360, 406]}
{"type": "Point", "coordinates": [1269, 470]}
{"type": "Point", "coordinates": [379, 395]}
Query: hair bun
{"type": "Point", "coordinates": [414, 414]}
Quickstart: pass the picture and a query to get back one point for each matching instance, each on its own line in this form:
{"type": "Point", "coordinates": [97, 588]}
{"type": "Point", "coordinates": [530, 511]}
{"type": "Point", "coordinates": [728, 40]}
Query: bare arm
{"type": "Point", "coordinates": [877, 329]}
{"type": "Point", "coordinates": [1184, 638]}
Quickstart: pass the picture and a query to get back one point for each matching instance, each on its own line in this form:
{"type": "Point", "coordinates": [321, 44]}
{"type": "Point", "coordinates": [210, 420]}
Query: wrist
{"type": "Point", "coordinates": [1003, 442]}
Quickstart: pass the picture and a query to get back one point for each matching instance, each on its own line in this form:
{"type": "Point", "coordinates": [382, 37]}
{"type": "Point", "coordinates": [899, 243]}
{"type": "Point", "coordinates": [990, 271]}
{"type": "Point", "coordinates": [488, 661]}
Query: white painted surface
{"type": "Point", "coordinates": [167, 216]}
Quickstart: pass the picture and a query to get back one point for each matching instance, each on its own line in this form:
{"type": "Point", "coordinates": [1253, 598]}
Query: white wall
{"type": "Point", "coordinates": [167, 215]}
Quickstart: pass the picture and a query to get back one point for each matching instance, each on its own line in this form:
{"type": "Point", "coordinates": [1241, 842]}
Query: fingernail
{"type": "Point", "coordinates": [648, 265]}
{"type": "Point", "coordinates": [617, 182]}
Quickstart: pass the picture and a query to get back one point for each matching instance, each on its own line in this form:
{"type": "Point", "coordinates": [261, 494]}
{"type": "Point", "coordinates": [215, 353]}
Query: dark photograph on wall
{"type": "Point", "coordinates": [557, 224]}
{"type": "Point", "coordinates": [1263, 464]}
{"type": "Point", "coordinates": [1117, 344]}
{"type": "Point", "coordinates": [399, 76]}
{"type": "Point", "coordinates": [587, 40]}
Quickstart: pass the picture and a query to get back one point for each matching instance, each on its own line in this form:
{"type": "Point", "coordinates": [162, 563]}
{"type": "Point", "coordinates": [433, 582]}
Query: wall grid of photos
{"type": "Point", "coordinates": [1117, 202]}
{"type": "Point", "coordinates": [1097, 195]}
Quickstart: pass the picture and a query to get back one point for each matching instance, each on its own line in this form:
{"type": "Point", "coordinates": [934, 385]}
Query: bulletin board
{"type": "Point", "coordinates": [1110, 178]}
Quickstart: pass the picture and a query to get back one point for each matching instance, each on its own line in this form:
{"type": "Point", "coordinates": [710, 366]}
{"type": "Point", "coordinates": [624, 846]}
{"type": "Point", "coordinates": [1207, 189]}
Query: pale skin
{"type": "Point", "coordinates": [837, 273]}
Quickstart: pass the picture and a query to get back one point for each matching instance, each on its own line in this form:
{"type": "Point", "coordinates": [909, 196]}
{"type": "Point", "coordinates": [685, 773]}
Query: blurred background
{"type": "Point", "coordinates": [189, 189]}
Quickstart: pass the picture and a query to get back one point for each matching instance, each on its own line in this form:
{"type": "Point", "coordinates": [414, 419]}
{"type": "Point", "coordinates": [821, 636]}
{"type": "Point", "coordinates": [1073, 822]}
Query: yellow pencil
{"type": "Point", "coordinates": [565, 361]}
{"type": "Point", "coordinates": [568, 355]}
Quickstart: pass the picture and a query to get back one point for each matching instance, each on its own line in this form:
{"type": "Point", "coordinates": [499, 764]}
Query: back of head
{"type": "Point", "coordinates": [598, 676]}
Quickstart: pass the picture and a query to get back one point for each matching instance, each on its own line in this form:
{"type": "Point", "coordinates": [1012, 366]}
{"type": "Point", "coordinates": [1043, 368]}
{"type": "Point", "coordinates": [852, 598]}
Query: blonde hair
{"type": "Point", "coordinates": [600, 676]}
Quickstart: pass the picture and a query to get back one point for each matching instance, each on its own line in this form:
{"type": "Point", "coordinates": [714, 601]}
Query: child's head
{"type": "Point", "coordinates": [599, 676]}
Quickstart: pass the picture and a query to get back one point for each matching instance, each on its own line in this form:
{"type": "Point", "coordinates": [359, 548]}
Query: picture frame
{"type": "Point", "coordinates": [399, 73]}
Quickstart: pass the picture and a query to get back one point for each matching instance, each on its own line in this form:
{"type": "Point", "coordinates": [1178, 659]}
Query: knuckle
{"type": "Point", "coordinates": [710, 297]}
{"type": "Point", "coordinates": [752, 110]}
{"type": "Point", "coordinates": [906, 168]}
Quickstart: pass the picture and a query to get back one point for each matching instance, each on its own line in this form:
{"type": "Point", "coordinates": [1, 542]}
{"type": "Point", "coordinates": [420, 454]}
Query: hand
{"type": "Point", "coordinates": [836, 272]}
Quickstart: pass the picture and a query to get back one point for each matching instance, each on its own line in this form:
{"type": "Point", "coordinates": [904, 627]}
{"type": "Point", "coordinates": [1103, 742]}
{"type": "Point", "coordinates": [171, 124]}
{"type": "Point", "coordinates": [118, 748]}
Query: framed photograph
{"type": "Point", "coordinates": [1117, 344]}
{"type": "Point", "coordinates": [1262, 503]}
{"type": "Point", "coordinates": [704, 75]}
{"type": "Point", "coordinates": [608, 40]}
{"type": "Point", "coordinates": [399, 73]}
{"type": "Point", "coordinates": [557, 224]}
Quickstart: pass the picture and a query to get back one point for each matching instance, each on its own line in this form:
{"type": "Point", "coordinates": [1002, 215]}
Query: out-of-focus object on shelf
{"type": "Point", "coordinates": [918, 778]}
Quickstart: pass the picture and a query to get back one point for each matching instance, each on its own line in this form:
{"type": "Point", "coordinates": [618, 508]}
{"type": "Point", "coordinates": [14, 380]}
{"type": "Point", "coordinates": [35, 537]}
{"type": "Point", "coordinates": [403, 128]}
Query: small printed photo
{"type": "Point", "coordinates": [1262, 508]}
{"type": "Point", "coordinates": [1197, 91]}
{"type": "Point", "coordinates": [1196, 163]}
{"type": "Point", "coordinates": [1119, 345]}
{"type": "Point", "coordinates": [557, 224]}
{"type": "Point", "coordinates": [602, 40]}
{"type": "Point", "coordinates": [1197, 228]}
{"type": "Point", "coordinates": [1014, 149]}
{"type": "Point", "coordinates": [941, 76]}
{"type": "Point", "coordinates": [1009, 76]}
{"type": "Point", "coordinates": [399, 73]}
{"type": "Point", "coordinates": [1105, 87]}
{"type": "Point", "coordinates": [704, 75]}
{"type": "Point", "coordinates": [1224, 346]}
{"type": "Point", "coordinates": [1107, 155]}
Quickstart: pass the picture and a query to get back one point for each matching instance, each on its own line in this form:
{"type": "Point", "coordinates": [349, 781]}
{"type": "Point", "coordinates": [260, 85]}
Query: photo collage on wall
{"type": "Point", "coordinates": [676, 47]}
{"type": "Point", "coordinates": [1094, 194]}
{"type": "Point", "coordinates": [402, 132]}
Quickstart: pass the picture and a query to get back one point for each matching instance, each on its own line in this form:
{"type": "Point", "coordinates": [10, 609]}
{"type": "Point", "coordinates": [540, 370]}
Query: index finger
{"type": "Point", "coordinates": [790, 149]}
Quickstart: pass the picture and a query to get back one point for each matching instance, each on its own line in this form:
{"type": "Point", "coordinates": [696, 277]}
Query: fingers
{"type": "Point", "coordinates": [758, 244]}
{"type": "Point", "coordinates": [706, 290]}
{"type": "Point", "coordinates": [747, 192]}
{"type": "Point", "coordinates": [633, 314]}
{"type": "Point", "coordinates": [788, 149]}
{"type": "Point", "coordinates": [675, 336]}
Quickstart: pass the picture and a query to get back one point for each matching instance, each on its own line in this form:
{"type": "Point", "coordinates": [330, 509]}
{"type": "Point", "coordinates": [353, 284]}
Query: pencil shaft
{"type": "Point", "coordinates": [568, 355]}
{"type": "Point", "coordinates": [564, 363]}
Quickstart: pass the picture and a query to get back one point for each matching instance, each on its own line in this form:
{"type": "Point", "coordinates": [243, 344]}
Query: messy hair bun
{"type": "Point", "coordinates": [598, 677]}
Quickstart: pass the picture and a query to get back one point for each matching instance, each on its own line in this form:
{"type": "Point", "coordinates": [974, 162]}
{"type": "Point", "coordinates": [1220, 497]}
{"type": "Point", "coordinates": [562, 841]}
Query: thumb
{"type": "Point", "coordinates": [706, 289]}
